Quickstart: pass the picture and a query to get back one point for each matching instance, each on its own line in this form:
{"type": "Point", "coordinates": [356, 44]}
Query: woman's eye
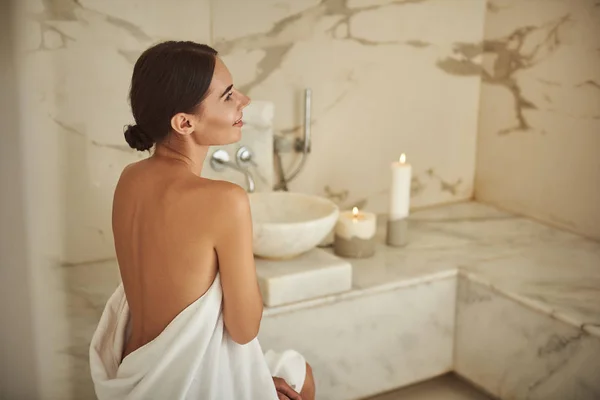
{"type": "Point", "coordinates": [228, 96]}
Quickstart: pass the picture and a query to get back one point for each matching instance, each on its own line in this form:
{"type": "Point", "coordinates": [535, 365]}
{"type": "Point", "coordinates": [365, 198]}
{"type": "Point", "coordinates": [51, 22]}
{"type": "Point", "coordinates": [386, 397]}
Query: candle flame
{"type": "Point", "coordinates": [354, 211]}
{"type": "Point", "coordinates": [402, 158]}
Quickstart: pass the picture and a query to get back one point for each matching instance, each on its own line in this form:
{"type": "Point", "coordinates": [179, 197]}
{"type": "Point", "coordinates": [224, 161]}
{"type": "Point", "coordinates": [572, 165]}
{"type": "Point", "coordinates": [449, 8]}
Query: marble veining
{"type": "Point", "coordinates": [555, 272]}
{"type": "Point", "coordinates": [269, 47]}
{"type": "Point", "coordinates": [514, 352]}
{"type": "Point", "coordinates": [276, 41]}
{"type": "Point", "coordinates": [378, 342]}
{"type": "Point", "coordinates": [376, 44]}
{"type": "Point", "coordinates": [540, 103]}
{"type": "Point", "coordinates": [511, 57]}
{"type": "Point", "coordinates": [66, 42]}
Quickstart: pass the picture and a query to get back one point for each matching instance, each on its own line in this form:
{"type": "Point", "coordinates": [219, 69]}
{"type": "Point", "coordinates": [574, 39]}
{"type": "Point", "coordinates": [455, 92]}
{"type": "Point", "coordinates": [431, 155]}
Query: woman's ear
{"type": "Point", "coordinates": [182, 124]}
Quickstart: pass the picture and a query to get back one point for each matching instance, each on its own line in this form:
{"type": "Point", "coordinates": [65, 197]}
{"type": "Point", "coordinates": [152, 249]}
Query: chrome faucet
{"type": "Point", "coordinates": [220, 160]}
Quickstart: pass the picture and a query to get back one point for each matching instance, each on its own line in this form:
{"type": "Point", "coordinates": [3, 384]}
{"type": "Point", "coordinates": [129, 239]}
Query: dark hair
{"type": "Point", "coordinates": [168, 78]}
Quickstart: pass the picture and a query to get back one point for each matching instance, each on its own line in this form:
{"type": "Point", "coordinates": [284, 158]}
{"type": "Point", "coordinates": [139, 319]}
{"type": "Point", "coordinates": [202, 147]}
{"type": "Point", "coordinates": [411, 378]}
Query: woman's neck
{"type": "Point", "coordinates": [183, 150]}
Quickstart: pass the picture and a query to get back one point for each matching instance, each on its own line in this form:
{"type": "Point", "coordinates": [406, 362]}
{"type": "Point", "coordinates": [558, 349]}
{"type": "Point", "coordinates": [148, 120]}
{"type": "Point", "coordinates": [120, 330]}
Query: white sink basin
{"type": "Point", "coordinates": [287, 224]}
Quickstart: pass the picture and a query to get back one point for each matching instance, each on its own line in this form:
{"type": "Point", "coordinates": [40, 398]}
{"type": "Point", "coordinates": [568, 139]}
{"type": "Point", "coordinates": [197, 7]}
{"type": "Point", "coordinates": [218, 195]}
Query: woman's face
{"type": "Point", "coordinates": [219, 120]}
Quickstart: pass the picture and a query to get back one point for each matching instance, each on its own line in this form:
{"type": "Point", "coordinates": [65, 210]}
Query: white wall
{"type": "Point", "coordinates": [32, 286]}
{"type": "Point", "coordinates": [18, 366]}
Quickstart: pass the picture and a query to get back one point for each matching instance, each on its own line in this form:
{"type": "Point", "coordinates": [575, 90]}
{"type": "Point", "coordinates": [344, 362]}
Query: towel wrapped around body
{"type": "Point", "coordinates": [193, 358]}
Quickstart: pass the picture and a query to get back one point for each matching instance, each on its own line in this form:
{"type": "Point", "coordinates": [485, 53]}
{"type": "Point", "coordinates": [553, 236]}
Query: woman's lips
{"type": "Point", "coordinates": [239, 123]}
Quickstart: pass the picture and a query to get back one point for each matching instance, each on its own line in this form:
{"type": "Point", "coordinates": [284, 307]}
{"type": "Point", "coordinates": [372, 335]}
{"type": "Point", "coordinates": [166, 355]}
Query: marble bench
{"type": "Point", "coordinates": [509, 304]}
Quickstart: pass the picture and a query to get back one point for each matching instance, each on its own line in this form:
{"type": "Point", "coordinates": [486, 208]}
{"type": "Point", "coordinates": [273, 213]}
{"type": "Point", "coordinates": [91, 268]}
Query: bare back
{"type": "Point", "coordinates": [163, 224]}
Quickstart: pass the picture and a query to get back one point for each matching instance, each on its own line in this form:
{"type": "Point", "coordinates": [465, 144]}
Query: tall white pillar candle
{"type": "Point", "coordinates": [400, 189]}
{"type": "Point", "coordinates": [397, 224]}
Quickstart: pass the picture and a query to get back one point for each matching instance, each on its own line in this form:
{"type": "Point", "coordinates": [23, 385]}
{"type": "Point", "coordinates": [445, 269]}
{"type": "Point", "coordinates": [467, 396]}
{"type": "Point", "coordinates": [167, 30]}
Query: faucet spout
{"type": "Point", "coordinates": [220, 160]}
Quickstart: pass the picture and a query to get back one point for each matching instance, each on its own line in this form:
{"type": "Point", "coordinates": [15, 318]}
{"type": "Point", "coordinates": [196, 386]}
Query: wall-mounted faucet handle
{"type": "Point", "coordinates": [219, 160]}
{"type": "Point", "coordinates": [245, 157]}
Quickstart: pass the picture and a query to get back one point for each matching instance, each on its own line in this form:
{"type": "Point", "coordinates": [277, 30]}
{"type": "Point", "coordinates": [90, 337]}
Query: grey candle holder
{"type": "Point", "coordinates": [397, 232]}
{"type": "Point", "coordinates": [354, 248]}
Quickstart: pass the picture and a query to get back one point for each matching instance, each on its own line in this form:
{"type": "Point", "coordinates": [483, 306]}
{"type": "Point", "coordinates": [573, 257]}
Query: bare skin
{"type": "Point", "coordinates": [174, 230]}
{"type": "Point", "coordinates": [285, 392]}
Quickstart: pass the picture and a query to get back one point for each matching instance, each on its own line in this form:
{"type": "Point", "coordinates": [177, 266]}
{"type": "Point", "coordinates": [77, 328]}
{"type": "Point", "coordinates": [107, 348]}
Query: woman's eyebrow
{"type": "Point", "coordinates": [227, 90]}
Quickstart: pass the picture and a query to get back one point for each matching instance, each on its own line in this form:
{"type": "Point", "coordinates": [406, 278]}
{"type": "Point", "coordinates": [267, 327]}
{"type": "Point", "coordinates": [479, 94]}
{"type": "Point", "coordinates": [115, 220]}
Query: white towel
{"type": "Point", "coordinates": [193, 358]}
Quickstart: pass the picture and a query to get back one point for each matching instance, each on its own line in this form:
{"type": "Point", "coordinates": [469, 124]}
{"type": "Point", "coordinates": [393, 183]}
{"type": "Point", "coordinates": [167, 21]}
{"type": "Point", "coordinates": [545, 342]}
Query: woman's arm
{"type": "Point", "coordinates": [242, 301]}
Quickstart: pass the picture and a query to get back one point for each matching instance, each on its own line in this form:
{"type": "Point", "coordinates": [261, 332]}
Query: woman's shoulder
{"type": "Point", "coordinates": [222, 195]}
{"type": "Point", "coordinates": [130, 173]}
{"type": "Point", "coordinates": [183, 192]}
{"type": "Point", "coordinates": [216, 205]}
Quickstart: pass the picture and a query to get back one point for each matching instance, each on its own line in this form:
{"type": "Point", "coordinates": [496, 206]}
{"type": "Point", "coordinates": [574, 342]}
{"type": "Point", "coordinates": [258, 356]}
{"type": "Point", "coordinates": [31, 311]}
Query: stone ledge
{"type": "Point", "coordinates": [312, 275]}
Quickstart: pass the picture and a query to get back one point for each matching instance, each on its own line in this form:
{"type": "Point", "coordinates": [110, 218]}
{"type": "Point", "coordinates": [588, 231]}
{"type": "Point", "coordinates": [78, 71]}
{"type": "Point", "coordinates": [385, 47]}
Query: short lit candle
{"type": "Point", "coordinates": [355, 234]}
{"type": "Point", "coordinates": [355, 215]}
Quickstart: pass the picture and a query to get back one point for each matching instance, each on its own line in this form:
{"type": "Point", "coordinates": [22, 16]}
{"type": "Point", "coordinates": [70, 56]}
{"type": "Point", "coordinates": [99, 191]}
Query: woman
{"type": "Point", "coordinates": [184, 322]}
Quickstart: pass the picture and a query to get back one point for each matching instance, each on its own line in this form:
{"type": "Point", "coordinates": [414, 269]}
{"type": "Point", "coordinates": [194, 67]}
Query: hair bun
{"type": "Point", "coordinates": [137, 138]}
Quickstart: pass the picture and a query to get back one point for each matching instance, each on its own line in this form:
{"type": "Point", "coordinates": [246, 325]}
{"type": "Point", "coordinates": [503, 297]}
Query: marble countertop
{"type": "Point", "coordinates": [554, 271]}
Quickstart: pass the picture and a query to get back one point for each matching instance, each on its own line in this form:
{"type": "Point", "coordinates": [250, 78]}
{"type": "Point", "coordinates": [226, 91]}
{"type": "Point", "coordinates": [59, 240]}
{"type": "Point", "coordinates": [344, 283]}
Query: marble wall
{"type": "Point", "coordinates": [387, 77]}
{"type": "Point", "coordinates": [379, 71]}
{"type": "Point", "coordinates": [78, 61]}
{"type": "Point", "coordinates": [539, 129]}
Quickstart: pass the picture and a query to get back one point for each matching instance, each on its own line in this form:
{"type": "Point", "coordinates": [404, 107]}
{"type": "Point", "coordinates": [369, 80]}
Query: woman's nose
{"type": "Point", "coordinates": [245, 100]}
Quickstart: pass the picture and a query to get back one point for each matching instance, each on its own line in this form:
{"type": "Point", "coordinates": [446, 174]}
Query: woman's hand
{"type": "Point", "coordinates": [285, 391]}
